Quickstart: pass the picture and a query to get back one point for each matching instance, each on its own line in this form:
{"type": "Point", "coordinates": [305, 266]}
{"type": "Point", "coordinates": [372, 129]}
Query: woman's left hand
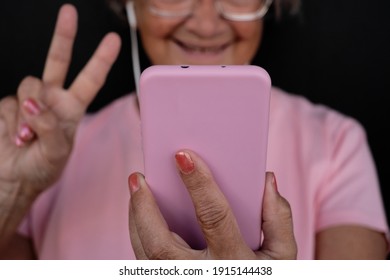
{"type": "Point", "coordinates": [152, 239]}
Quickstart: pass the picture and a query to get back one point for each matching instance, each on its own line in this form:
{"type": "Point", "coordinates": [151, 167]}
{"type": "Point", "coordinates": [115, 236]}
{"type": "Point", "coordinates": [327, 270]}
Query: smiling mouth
{"type": "Point", "coordinates": [202, 49]}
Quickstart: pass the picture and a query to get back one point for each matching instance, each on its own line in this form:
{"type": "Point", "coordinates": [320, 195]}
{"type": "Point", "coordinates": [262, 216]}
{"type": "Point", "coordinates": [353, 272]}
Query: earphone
{"type": "Point", "coordinates": [131, 17]}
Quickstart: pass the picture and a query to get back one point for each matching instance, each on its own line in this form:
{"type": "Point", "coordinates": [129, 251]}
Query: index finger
{"type": "Point", "coordinates": [60, 51]}
{"type": "Point", "coordinates": [214, 214]}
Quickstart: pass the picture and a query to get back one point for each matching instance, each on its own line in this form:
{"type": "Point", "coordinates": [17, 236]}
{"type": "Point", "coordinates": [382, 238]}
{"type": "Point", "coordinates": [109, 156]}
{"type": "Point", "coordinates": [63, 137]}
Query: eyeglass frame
{"type": "Point", "coordinates": [259, 14]}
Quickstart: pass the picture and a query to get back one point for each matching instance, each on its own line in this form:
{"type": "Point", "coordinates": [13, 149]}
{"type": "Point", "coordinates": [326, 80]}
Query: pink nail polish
{"type": "Point", "coordinates": [184, 162]}
{"type": "Point", "coordinates": [18, 142]}
{"type": "Point", "coordinates": [25, 133]}
{"type": "Point", "coordinates": [31, 106]}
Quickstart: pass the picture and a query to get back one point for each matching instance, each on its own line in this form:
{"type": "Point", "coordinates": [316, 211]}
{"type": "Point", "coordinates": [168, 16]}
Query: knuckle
{"type": "Point", "coordinates": [212, 216]}
{"type": "Point", "coordinates": [155, 250]}
{"type": "Point", "coordinates": [29, 85]}
{"type": "Point", "coordinates": [49, 97]}
{"type": "Point", "coordinates": [59, 56]}
{"type": "Point", "coordinates": [290, 251]}
{"type": "Point", "coordinates": [284, 210]}
{"type": "Point", "coordinates": [290, 246]}
{"type": "Point", "coordinates": [48, 123]}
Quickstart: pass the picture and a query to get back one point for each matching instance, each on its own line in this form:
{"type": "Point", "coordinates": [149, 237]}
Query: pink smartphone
{"type": "Point", "coordinates": [219, 112]}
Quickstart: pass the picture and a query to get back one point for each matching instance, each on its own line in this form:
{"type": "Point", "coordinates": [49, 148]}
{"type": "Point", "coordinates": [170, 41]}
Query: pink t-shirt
{"type": "Point", "coordinates": [321, 160]}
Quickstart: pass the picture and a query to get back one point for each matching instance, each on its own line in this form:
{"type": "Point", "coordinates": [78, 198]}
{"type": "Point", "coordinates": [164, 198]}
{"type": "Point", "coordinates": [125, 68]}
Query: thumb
{"type": "Point", "coordinates": [277, 224]}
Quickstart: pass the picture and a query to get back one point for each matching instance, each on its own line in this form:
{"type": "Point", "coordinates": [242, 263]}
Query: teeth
{"type": "Point", "coordinates": [201, 49]}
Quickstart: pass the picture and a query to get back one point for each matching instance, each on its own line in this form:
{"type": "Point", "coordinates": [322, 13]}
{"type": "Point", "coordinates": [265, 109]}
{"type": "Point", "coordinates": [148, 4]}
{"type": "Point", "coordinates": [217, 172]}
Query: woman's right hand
{"type": "Point", "coordinates": [151, 237]}
{"type": "Point", "coordinates": [38, 126]}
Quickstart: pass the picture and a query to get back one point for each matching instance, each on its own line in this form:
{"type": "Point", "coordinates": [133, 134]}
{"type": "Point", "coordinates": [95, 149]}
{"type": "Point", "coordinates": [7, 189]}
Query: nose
{"type": "Point", "coordinates": [205, 20]}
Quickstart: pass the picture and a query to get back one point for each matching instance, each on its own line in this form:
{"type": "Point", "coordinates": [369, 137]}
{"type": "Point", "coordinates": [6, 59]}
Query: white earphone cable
{"type": "Point", "coordinates": [134, 43]}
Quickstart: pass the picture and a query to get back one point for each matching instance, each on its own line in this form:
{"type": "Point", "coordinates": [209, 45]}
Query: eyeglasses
{"type": "Point", "coordinates": [235, 10]}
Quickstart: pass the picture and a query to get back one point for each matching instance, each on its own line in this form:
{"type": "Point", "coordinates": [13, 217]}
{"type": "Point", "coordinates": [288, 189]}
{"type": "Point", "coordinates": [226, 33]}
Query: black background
{"type": "Point", "coordinates": [336, 52]}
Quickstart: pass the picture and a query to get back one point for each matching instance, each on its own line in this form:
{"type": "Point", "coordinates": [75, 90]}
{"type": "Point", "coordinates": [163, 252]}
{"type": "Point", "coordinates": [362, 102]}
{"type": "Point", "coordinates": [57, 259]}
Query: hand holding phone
{"type": "Point", "coordinates": [219, 112]}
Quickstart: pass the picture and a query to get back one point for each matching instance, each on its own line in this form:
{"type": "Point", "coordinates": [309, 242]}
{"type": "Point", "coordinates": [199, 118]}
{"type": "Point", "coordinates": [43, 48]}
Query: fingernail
{"type": "Point", "coordinates": [18, 142]}
{"type": "Point", "coordinates": [31, 106]}
{"type": "Point", "coordinates": [274, 183]}
{"type": "Point", "coordinates": [25, 132]}
{"type": "Point", "coordinates": [134, 182]}
{"type": "Point", "coordinates": [184, 162]}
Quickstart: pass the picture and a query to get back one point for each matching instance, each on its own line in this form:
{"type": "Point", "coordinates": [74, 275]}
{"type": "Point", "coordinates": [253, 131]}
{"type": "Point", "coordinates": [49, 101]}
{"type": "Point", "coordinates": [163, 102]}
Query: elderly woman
{"type": "Point", "coordinates": [64, 177]}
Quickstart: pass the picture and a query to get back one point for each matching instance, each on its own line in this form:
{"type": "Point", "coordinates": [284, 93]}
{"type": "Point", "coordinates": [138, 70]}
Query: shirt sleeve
{"type": "Point", "coordinates": [350, 193]}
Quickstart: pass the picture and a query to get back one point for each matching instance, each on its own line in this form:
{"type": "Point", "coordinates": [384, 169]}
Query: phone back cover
{"type": "Point", "coordinates": [219, 112]}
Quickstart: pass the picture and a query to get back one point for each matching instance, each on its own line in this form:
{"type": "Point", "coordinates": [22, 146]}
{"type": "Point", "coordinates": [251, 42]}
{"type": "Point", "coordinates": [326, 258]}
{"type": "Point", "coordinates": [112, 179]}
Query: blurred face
{"type": "Point", "coordinates": [203, 38]}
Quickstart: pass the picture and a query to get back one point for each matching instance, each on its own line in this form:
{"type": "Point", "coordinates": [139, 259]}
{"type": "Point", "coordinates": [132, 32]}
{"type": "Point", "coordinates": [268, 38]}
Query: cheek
{"type": "Point", "coordinates": [153, 34]}
{"type": "Point", "coordinates": [152, 44]}
{"type": "Point", "coordinates": [155, 38]}
{"type": "Point", "coordinates": [248, 41]}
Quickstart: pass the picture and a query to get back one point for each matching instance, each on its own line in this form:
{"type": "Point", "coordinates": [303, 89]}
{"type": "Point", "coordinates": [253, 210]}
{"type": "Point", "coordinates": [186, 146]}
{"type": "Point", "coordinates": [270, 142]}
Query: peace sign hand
{"type": "Point", "coordinates": [37, 127]}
